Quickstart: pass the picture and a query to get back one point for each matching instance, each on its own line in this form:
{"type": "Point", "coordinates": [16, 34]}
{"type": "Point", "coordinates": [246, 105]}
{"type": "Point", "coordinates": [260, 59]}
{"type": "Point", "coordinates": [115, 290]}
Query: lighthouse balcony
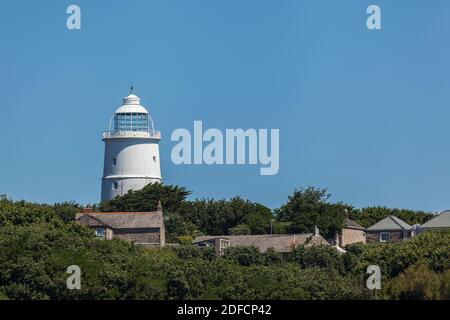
{"type": "Point", "coordinates": [131, 134]}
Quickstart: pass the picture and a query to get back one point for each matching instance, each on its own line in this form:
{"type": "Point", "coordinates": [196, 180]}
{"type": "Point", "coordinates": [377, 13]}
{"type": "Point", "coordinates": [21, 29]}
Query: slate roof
{"type": "Point", "coordinates": [350, 224]}
{"type": "Point", "coordinates": [124, 220]}
{"type": "Point", "coordinates": [390, 223]}
{"type": "Point", "coordinates": [279, 242]}
{"type": "Point", "coordinates": [442, 220]}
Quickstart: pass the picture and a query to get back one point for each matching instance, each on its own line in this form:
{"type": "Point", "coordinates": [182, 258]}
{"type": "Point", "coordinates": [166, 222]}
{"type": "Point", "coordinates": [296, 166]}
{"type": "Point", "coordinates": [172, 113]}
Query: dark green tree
{"type": "Point", "coordinates": [371, 215]}
{"type": "Point", "coordinates": [309, 207]}
{"type": "Point", "coordinates": [171, 197]}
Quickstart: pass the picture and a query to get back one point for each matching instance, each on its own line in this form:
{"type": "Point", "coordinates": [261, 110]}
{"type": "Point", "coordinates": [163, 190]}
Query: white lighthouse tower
{"type": "Point", "coordinates": [131, 150]}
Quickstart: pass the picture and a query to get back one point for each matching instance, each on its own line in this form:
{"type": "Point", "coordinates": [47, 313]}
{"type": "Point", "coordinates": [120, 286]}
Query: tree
{"type": "Point", "coordinates": [25, 213]}
{"type": "Point", "coordinates": [418, 282]}
{"type": "Point", "coordinates": [371, 215]}
{"type": "Point", "coordinates": [241, 229]}
{"type": "Point", "coordinates": [171, 197]}
{"type": "Point", "coordinates": [324, 257]}
{"type": "Point", "coordinates": [244, 256]}
{"type": "Point", "coordinates": [217, 217]}
{"type": "Point", "coordinates": [306, 208]}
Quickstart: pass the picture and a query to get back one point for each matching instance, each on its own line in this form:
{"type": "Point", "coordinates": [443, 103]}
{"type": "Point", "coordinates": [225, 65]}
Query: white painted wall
{"type": "Point", "coordinates": [137, 164]}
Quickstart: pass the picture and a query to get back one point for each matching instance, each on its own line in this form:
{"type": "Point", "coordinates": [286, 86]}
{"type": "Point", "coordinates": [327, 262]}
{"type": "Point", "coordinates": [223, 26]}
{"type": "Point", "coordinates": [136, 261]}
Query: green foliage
{"type": "Point", "coordinates": [38, 243]}
{"type": "Point", "coordinates": [247, 256]}
{"type": "Point", "coordinates": [371, 215]}
{"type": "Point", "coordinates": [177, 226]}
{"type": "Point", "coordinates": [324, 257]}
{"type": "Point", "coordinates": [34, 259]}
{"type": "Point", "coordinates": [288, 282]}
{"type": "Point", "coordinates": [244, 256]}
{"type": "Point", "coordinates": [418, 282]}
{"type": "Point", "coordinates": [185, 240]}
{"type": "Point", "coordinates": [192, 252]}
{"type": "Point", "coordinates": [171, 197]}
{"type": "Point", "coordinates": [217, 217]}
{"type": "Point", "coordinates": [191, 218]}
{"type": "Point", "coordinates": [25, 213]}
{"type": "Point", "coordinates": [429, 248]}
{"type": "Point", "coordinates": [241, 229]}
{"type": "Point", "coordinates": [306, 208]}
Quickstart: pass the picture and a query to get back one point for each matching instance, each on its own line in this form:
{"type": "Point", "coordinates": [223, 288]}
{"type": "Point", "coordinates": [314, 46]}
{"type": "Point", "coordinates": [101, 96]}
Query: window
{"type": "Point", "coordinates": [384, 236]}
{"type": "Point", "coordinates": [223, 245]}
{"type": "Point", "coordinates": [100, 233]}
{"type": "Point", "coordinates": [131, 122]}
{"type": "Point", "coordinates": [114, 162]}
{"type": "Point", "coordinates": [115, 185]}
{"type": "Point", "coordinates": [154, 159]}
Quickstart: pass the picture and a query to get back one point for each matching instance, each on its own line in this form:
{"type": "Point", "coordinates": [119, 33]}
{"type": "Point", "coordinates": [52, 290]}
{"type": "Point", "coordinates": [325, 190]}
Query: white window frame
{"type": "Point", "coordinates": [385, 233]}
{"type": "Point", "coordinates": [115, 185]}
{"type": "Point", "coordinates": [102, 234]}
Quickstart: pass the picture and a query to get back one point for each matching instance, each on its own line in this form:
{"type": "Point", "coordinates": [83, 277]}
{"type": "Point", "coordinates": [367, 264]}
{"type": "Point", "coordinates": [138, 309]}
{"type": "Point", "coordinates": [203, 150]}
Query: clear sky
{"type": "Point", "coordinates": [362, 113]}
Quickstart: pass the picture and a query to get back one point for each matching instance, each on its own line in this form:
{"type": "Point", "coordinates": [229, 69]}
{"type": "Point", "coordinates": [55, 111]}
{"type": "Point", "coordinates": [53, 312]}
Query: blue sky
{"type": "Point", "coordinates": [362, 113]}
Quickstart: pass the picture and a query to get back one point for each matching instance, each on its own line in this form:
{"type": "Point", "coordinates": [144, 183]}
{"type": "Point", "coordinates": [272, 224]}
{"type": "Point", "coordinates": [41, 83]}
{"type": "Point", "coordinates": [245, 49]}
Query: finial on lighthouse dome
{"type": "Point", "coordinates": [131, 104]}
{"type": "Point", "coordinates": [131, 99]}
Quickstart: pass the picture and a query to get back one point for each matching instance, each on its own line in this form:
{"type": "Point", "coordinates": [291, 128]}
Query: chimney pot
{"type": "Point", "coordinates": [87, 210]}
{"type": "Point", "coordinates": [159, 207]}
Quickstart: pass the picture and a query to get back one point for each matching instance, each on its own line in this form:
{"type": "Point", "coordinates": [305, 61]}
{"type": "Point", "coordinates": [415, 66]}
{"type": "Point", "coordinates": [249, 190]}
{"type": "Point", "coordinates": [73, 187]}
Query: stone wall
{"type": "Point", "coordinates": [349, 236]}
{"type": "Point", "coordinates": [139, 236]}
{"type": "Point", "coordinates": [394, 236]}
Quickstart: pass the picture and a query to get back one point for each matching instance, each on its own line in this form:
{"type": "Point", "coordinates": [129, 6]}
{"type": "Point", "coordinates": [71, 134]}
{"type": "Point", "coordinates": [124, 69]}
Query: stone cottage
{"type": "Point", "coordinates": [141, 228]}
{"type": "Point", "coordinates": [390, 229]}
{"type": "Point", "coordinates": [351, 233]}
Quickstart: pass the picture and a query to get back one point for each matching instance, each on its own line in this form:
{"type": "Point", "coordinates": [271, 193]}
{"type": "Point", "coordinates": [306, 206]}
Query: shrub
{"type": "Point", "coordinates": [418, 282]}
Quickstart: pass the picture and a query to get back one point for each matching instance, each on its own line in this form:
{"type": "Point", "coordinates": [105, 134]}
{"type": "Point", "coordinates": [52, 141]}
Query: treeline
{"type": "Point", "coordinates": [38, 242]}
{"type": "Point", "coordinates": [34, 259]}
{"type": "Point", "coordinates": [304, 209]}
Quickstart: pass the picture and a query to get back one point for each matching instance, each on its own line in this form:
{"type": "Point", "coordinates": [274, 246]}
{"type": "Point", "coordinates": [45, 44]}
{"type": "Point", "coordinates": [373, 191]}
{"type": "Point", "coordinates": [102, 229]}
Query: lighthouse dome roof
{"type": "Point", "coordinates": [131, 104]}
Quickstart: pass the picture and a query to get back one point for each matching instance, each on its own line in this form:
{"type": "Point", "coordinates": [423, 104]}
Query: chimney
{"type": "Point", "coordinates": [316, 231]}
{"type": "Point", "coordinates": [88, 209]}
{"type": "Point", "coordinates": [337, 239]}
{"type": "Point", "coordinates": [159, 207]}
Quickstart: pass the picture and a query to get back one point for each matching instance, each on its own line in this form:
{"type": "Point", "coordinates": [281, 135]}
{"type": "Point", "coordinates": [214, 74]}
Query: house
{"type": "Point", "coordinates": [390, 229]}
{"type": "Point", "coordinates": [439, 222]}
{"type": "Point", "coordinates": [141, 228]}
{"type": "Point", "coordinates": [218, 243]}
{"type": "Point", "coordinates": [282, 243]}
{"type": "Point", "coordinates": [351, 233]}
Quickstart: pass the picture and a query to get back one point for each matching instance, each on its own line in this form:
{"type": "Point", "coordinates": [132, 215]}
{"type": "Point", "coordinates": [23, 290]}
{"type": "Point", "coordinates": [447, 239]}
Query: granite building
{"type": "Point", "coordinates": [141, 228]}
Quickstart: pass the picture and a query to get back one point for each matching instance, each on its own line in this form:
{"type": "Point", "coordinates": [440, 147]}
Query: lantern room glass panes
{"type": "Point", "coordinates": [131, 122]}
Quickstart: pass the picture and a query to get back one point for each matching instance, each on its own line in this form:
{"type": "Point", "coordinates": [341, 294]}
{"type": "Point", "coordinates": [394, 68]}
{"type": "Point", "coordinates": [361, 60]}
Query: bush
{"type": "Point", "coordinates": [244, 256]}
{"type": "Point", "coordinates": [429, 248]}
{"type": "Point", "coordinates": [185, 240]}
{"type": "Point", "coordinates": [325, 257]}
{"type": "Point", "coordinates": [241, 229]}
{"type": "Point", "coordinates": [192, 252]}
{"type": "Point", "coordinates": [418, 282]}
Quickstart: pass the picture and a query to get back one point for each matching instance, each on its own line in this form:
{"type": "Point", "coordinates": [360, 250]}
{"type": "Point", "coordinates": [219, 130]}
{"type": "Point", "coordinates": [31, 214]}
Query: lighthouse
{"type": "Point", "coordinates": [131, 150]}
